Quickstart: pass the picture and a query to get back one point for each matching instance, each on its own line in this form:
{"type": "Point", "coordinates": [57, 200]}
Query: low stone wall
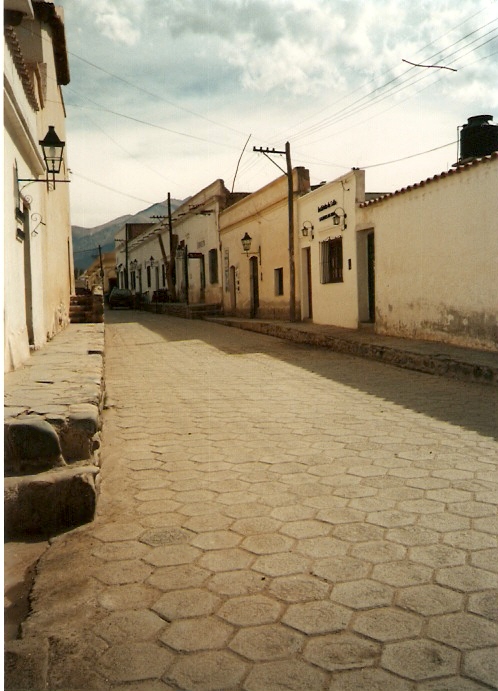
{"type": "Point", "coordinates": [52, 423]}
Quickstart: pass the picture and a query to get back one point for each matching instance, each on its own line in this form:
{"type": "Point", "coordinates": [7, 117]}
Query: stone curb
{"type": "Point", "coordinates": [52, 420]}
{"type": "Point", "coordinates": [438, 364]}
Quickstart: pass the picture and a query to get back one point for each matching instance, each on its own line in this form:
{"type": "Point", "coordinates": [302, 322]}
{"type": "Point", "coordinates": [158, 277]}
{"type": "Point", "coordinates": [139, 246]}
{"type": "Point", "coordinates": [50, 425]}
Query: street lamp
{"type": "Point", "coordinates": [337, 216]}
{"type": "Point", "coordinates": [52, 150]}
{"type": "Point", "coordinates": [308, 229]}
{"type": "Point", "coordinates": [246, 246]}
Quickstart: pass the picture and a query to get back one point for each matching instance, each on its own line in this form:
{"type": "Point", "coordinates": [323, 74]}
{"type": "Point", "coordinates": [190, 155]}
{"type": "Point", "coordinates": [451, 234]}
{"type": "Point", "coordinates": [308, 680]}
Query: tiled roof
{"type": "Point", "coordinates": [453, 171]}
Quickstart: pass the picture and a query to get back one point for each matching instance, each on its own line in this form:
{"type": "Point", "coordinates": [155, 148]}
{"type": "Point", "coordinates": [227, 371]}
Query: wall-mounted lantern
{"type": "Point", "coordinates": [339, 217]}
{"type": "Point", "coordinates": [308, 229]}
{"type": "Point", "coordinates": [246, 246]}
{"type": "Point", "coordinates": [52, 150]}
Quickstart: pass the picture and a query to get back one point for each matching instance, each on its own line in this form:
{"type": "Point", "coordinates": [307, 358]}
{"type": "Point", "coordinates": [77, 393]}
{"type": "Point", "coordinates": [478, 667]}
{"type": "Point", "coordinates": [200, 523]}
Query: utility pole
{"type": "Point", "coordinates": [290, 208]}
{"type": "Point", "coordinates": [101, 267]}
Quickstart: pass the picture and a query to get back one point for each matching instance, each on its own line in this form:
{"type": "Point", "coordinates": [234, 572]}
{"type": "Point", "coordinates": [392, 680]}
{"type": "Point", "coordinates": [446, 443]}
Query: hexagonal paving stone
{"type": "Point", "coordinates": [320, 616]}
{"type": "Point", "coordinates": [485, 603]}
{"type": "Point", "coordinates": [267, 543]}
{"type": "Point", "coordinates": [172, 535]}
{"type": "Point", "coordinates": [270, 642]}
{"type": "Point", "coordinates": [211, 521]}
{"type": "Point", "coordinates": [306, 528]}
{"type": "Point", "coordinates": [362, 593]}
{"type": "Point", "coordinates": [317, 547]}
{"type": "Point", "coordinates": [448, 495]}
{"type": "Point", "coordinates": [299, 588]}
{"type": "Point", "coordinates": [134, 661]}
{"type": "Point", "coordinates": [139, 624]}
{"type": "Point", "coordinates": [216, 539]}
{"type": "Point", "coordinates": [430, 599]}
{"type": "Point", "coordinates": [444, 522]}
{"type": "Point", "coordinates": [171, 555]}
{"type": "Point", "coordinates": [437, 555]}
{"type": "Point", "coordinates": [368, 679]}
{"type": "Point", "coordinates": [412, 536]}
{"type": "Point", "coordinates": [387, 624]}
{"type": "Point", "coordinates": [463, 631]}
{"type": "Point", "coordinates": [115, 551]}
{"type": "Point", "coordinates": [472, 509]}
{"type": "Point", "coordinates": [488, 524]}
{"type": "Point", "coordinates": [200, 633]}
{"type": "Point", "coordinates": [291, 675]}
{"type": "Point", "coordinates": [378, 551]}
{"type": "Point", "coordinates": [486, 559]}
{"type": "Point", "coordinates": [341, 569]}
{"type": "Point", "coordinates": [182, 604]}
{"type": "Point", "coordinates": [482, 665]}
{"type": "Point", "coordinates": [466, 578]}
{"type": "Point", "coordinates": [402, 573]}
{"type": "Point", "coordinates": [177, 577]}
{"type": "Point", "coordinates": [234, 583]}
{"type": "Point", "coordinates": [115, 532]}
{"type": "Point", "coordinates": [257, 524]}
{"type": "Point", "coordinates": [250, 610]}
{"type": "Point", "coordinates": [119, 597]}
{"type": "Point", "coordinates": [419, 659]}
{"type": "Point", "coordinates": [336, 516]}
{"type": "Point", "coordinates": [226, 559]}
{"type": "Point", "coordinates": [470, 539]}
{"type": "Point", "coordinates": [358, 532]}
{"type": "Point", "coordinates": [124, 571]}
{"type": "Point", "coordinates": [342, 651]}
{"type": "Point", "coordinates": [207, 671]}
{"type": "Point", "coordinates": [283, 564]}
{"type": "Point", "coordinates": [390, 519]}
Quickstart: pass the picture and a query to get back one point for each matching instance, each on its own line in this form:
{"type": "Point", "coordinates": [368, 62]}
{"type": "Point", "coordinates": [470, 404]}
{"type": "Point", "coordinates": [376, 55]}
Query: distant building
{"type": "Point", "coordinates": [102, 272]}
{"type": "Point", "coordinates": [38, 276]}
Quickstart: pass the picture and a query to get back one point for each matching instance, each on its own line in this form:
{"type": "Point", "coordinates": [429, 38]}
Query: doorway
{"type": "Point", "coordinates": [371, 276]}
{"type": "Point", "coordinates": [307, 286]}
{"type": "Point", "coordinates": [232, 282]}
{"type": "Point", "coordinates": [254, 286]}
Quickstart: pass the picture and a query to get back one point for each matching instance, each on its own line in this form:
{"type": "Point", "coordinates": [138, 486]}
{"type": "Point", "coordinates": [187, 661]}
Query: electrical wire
{"type": "Point", "coordinates": [111, 189]}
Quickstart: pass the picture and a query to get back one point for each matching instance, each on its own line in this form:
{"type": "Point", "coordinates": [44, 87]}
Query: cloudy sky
{"type": "Point", "coordinates": [164, 94]}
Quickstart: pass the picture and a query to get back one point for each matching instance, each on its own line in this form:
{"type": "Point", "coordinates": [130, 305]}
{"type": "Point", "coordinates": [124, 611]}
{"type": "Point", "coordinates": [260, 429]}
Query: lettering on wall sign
{"type": "Point", "coordinates": [327, 205]}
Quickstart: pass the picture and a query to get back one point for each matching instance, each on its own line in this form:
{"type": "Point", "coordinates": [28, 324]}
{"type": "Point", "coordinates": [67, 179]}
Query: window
{"type": "Point", "coordinates": [331, 261]}
{"type": "Point", "coordinates": [164, 275]}
{"type": "Point", "coordinates": [149, 279]}
{"type": "Point", "coordinates": [133, 280]}
{"type": "Point", "coordinates": [213, 266]}
{"type": "Point", "coordinates": [279, 281]}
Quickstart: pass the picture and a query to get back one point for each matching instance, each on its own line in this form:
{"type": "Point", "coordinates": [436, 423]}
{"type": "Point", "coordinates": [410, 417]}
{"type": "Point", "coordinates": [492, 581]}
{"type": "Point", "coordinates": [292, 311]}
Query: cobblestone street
{"type": "Point", "coordinates": [276, 517]}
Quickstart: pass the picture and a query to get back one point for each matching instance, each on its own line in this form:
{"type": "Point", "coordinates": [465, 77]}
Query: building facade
{"type": "Point", "coordinates": [256, 282]}
{"type": "Point", "coordinates": [38, 277]}
{"type": "Point", "coordinates": [436, 256]}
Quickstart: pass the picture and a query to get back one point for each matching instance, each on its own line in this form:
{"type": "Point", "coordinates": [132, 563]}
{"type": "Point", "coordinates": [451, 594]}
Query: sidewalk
{"type": "Point", "coordinates": [52, 418]}
{"type": "Point", "coordinates": [432, 357]}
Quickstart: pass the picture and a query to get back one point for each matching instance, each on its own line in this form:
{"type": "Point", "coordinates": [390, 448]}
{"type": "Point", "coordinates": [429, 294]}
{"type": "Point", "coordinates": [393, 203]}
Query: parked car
{"type": "Point", "coordinates": [120, 297]}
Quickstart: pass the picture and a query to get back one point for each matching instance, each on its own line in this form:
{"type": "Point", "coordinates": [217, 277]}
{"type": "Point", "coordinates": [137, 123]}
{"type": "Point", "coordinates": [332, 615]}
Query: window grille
{"type": "Point", "coordinates": [331, 261]}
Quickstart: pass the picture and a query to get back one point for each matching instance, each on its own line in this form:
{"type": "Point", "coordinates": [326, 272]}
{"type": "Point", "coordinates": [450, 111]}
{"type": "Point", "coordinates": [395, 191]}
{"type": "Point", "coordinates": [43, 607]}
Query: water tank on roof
{"type": "Point", "coordinates": [479, 137]}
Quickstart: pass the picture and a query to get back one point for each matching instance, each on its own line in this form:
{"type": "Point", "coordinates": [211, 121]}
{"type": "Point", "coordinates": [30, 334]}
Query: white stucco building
{"type": "Point", "coordinates": [38, 276]}
{"type": "Point", "coordinates": [436, 256]}
{"type": "Point", "coordinates": [257, 283]}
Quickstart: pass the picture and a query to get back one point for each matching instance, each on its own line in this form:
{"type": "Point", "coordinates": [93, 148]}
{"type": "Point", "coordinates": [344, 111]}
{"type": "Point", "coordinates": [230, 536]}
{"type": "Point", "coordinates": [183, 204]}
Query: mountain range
{"type": "Point", "coordinates": [86, 241]}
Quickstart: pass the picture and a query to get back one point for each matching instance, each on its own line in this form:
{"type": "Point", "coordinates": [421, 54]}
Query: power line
{"type": "Point", "coordinates": [154, 95]}
{"type": "Point", "coordinates": [111, 189]}
{"type": "Point", "coordinates": [370, 99]}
